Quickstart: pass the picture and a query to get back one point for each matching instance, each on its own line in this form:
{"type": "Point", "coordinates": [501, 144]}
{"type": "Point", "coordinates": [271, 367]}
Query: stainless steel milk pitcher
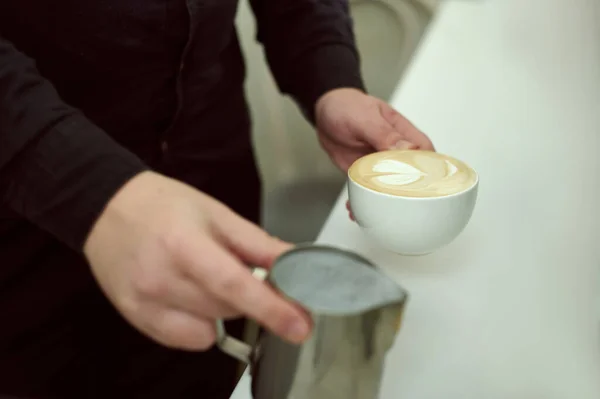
{"type": "Point", "coordinates": [356, 312]}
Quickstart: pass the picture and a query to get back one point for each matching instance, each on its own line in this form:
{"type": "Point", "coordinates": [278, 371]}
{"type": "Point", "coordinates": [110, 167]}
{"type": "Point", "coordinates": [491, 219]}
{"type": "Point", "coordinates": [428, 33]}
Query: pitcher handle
{"type": "Point", "coordinates": [232, 346]}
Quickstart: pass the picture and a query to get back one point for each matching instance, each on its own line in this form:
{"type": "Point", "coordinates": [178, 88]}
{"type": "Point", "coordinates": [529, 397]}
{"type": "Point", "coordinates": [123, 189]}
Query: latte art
{"type": "Point", "coordinates": [412, 173]}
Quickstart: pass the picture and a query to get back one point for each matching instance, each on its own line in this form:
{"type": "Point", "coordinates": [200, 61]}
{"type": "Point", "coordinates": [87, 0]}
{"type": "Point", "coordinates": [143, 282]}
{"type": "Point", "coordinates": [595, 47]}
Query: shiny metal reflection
{"type": "Point", "coordinates": [343, 358]}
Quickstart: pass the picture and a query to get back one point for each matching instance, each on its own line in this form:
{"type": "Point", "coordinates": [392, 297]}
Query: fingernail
{"type": "Point", "coordinates": [298, 331]}
{"type": "Point", "coordinates": [403, 145]}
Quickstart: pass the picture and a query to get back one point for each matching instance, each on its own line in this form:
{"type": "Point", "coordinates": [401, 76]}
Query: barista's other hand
{"type": "Point", "coordinates": [351, 124]}
{"type": "Point", "coordinates": [172, 260]}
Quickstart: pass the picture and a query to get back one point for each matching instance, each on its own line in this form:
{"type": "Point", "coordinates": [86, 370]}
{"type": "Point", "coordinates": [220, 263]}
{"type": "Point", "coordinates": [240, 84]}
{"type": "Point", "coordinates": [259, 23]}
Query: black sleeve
{"type": "Point", "coordinates": [310, 47]}
{"type": "Point", "coordinates": [57, 169]}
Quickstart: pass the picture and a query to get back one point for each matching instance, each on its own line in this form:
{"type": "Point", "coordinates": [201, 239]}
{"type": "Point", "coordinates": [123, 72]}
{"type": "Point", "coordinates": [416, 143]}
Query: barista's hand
{"type": "Point", "coordinates": [351, 124]}
{"type": "Point", "coordinates": [172, 260]}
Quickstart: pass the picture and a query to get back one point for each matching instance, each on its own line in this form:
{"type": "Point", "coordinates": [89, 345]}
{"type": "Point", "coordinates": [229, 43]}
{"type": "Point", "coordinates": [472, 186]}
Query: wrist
{"type": "Point", "coordinates": [332, 95]}
{"type": "Point", "coordinates": [129, 196]}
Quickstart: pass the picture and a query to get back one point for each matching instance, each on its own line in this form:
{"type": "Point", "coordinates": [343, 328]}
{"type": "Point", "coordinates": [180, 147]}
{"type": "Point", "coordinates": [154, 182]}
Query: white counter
{"type": "Point", "coordinates": [510, 309]}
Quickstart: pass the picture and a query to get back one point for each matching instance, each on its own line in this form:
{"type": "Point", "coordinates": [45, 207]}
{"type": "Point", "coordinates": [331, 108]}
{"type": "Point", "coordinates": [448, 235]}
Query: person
{"type": "Point", "coordinates": [129, 195]}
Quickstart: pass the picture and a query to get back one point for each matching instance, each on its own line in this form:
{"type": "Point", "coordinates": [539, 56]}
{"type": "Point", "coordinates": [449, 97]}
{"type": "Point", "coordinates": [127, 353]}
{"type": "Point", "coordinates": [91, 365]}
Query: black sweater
{"type": "Point", "coordinates": [89, 90]}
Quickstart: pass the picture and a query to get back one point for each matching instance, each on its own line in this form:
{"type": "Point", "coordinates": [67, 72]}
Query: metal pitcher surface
{"type": "Point", "coordinates": [356, 312]}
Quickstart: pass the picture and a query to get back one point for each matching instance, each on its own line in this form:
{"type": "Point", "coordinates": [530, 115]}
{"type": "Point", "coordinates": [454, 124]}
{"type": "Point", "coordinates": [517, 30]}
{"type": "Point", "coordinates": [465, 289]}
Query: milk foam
{"type": "Point", "coordinates": [397, 173]}
{"type": "Point", "coordinates": [413, 173]}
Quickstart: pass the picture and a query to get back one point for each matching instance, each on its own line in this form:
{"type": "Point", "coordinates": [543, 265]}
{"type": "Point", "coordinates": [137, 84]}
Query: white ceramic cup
{"type": "Point", "coordinates": [411, 225]}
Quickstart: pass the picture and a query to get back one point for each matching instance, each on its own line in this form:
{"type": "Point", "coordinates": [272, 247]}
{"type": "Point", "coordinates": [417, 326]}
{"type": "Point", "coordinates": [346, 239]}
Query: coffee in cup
{"type": "Point", "coordinates": [412, 201]}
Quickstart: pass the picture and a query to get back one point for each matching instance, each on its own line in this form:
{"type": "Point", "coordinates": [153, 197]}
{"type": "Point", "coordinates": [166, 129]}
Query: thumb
{"type": "Point", "coordinates": [390, 139]}
{"type": "Point", "coordinates": [402, 144]}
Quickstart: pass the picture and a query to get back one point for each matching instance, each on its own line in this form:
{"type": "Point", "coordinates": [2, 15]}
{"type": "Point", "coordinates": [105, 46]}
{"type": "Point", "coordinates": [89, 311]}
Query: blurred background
{"type": "Point", "coordinates": [299, 181]}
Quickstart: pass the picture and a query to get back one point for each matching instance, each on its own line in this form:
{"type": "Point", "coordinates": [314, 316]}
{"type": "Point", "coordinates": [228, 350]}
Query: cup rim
{"type": "Point", "coordinates": [472, 187]}
{"type": "Point", "coordinates": [465, 191]}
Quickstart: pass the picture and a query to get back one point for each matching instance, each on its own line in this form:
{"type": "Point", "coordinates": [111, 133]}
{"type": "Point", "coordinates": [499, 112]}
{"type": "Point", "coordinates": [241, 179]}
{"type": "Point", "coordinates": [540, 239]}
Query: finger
{"type": "Point", "coordinates": [409, 132]}
{"type": "Point", "coordinates": [345, 157]}
{"type": "Point", "coordinates": [227, 279]}
{"type": "Point", "coordinates": [404, 145]}
{"type": "Point", "coordinates": [349, 208]}
{"type": "Point", "coordinates": [179, 330]}
{"type": "Point", "coordinates": [187, 297]}
{"type": "Point", "coordinates": [422, 142]}
{"type": "Point", "coordinates": [379, 134]}
{"type": "Point", "coordinates": [175, 289]}
{"type": "Point", "coordinates": [248, 241]}
{"type": "Point", "coordinates": [343, 162]}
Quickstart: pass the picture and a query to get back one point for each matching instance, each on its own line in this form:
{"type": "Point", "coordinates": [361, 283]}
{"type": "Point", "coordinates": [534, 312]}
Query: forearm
{"type": "Point", "coordinates": [57, 169]}
{"type": "Point", "coordinates": [310, 47]}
